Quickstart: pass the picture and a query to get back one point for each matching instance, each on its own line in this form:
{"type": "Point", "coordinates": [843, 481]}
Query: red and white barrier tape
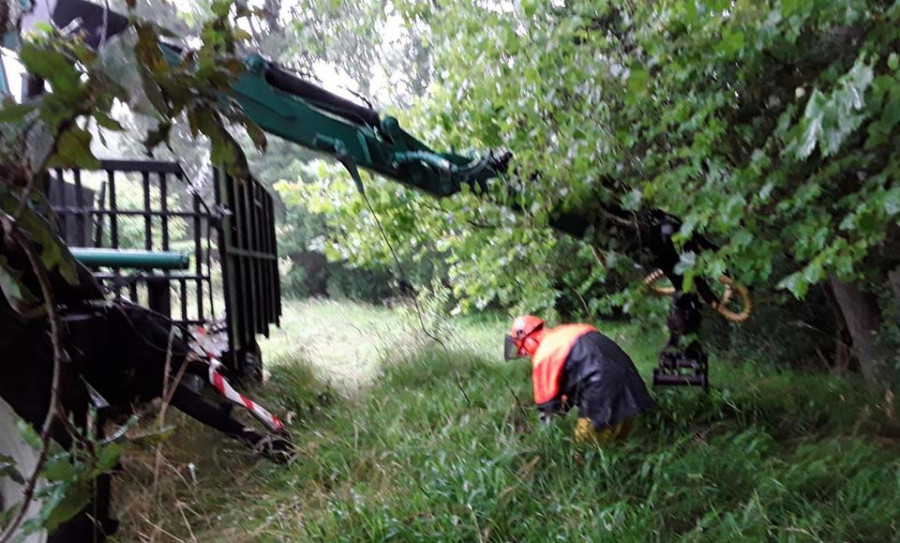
{"type": "Point", "coordinates": [225, 389]}
{"type": "Point", "coordinates": [206, 345]}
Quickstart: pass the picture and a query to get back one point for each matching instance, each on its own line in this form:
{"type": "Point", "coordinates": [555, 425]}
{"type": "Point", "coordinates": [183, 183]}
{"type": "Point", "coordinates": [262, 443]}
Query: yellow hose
{"type": "Point", "coordinates": [730, 288]}
{"type": "Point", "coordinates": [746, 303]}
{"type": "Point", "coordinates": [659, 291]}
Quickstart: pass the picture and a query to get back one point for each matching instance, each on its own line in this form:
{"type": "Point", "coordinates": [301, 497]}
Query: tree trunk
{"type": "Point", "coordinates": [894, 280]}
{"type": "Point", "coordinates": [863, 318]}
{"type": "Point", "coordinates": [843, 357]}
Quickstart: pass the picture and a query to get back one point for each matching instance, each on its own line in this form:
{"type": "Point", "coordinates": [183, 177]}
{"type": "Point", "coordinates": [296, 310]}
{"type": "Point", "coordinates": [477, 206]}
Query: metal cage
{"type": "Point", "coordinates": [250, 261]}
{"type": "Point", "coordinates": [228, 250]}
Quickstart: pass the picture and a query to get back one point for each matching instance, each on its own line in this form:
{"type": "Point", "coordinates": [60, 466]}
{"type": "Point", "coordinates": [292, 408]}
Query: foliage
{"type": "Point", "coordinates": [485, 253]}
{"type": "Point", "coordinates": [365, 39]}
{"type": "Point", "coordinates": [764, 126]}
{"type": "Point", "coordinates": [67, 476]}
{"type": "Point", "coordinates": [767, 455]}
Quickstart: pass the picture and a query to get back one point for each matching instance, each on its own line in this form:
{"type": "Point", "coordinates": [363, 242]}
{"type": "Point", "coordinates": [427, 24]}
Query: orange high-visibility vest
{"type": "Point", "coordinates": [550, 358]}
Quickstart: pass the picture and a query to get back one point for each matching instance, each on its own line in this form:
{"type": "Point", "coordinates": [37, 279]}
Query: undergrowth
{"type": "Point", "coordinates": [445, 446]}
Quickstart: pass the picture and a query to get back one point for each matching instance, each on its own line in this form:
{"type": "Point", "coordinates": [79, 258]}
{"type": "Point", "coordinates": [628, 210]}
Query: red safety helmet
{"type": "Point", "coordinates": [520, 341]}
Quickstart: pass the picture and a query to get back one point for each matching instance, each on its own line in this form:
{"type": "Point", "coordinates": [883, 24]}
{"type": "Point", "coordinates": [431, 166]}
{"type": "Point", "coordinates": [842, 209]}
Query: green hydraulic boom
{"type": "Point", "coordinates": [359, 137]}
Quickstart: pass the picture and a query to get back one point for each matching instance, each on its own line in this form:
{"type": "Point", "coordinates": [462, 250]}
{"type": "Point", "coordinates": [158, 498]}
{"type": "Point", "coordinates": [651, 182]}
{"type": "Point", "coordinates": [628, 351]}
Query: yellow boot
{"type": "Point", "coordinates": [586, 433]}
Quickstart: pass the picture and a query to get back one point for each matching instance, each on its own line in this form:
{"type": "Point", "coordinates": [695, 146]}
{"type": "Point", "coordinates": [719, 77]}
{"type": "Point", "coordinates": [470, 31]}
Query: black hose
{"type": "Point", "coordinates": [353, 112]}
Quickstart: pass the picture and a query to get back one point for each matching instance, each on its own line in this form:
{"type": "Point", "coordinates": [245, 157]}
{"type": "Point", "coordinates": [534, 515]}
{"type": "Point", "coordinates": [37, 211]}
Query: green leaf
{"type": "Point", "coordinates": [59, 467]}
{"type": "Point", "coordinates": [147, 50]}
{"type": "Point", "coordinates": [529, 7]}
{"type": "Point", "coordinates": [106, 121]}
{"type": "Point", "coordinates": [15, 112]}
{"type": "Point", "coordinates": [796, 284]}
{"type": "Point", "coordinates": [28, 434]}
{"type": "Point", "coordinates": [107, 458]}
{"type": "Point", "coordinates": [813, 273]}
{"type": "Point", "coordinates": [891, 115]}
{"type": "Point", "coordinates": [892, 202]}
{"type": "Point", "coordinates": [731, 43]}
{"type": "Point", "coordinates": [74, 150]}
{"type": "Point", "coordinates": [686, 261]}
{"type": "Point", "coordinates": [54, 254]}
{"type": "Point", "coordinates": [158, 135]}
{"type": "Point", "coordinates": [153, 93]}
{"type": "Point", "coordinates": [54, 67]}
{"type": "Point", "coordinates": [220, 7]}
{"type": "Point", "coordinates": [66, 502]}
{"type": "Point", "coordinates": [637, 82]}
{"type": "Point", "coordinates": [256, 134]}
{"type": "Point", "coordinates": [632, 200]}
{"type": "Point", "coordinates": [814, 113]}
{"type": "Point", "coordinates": [788, 7]}
{"type": "Point", "coordinates": [17, 294]}
{"type": "Point", "coordinates": [9, 469]}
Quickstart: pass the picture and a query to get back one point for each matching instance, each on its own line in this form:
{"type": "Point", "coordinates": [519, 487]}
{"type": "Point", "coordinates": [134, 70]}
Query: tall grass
{"type": "Point", "coordinates": [445, 445]}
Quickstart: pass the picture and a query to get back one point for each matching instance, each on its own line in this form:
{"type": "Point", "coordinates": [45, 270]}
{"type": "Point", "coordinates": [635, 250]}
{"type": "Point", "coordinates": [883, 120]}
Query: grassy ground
{"type": "Point", "coordinates": [443, 445]}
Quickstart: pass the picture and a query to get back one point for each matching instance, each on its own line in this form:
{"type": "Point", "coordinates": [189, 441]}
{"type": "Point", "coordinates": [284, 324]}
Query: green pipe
{"type": "Point", "coordinates": [129, 258]}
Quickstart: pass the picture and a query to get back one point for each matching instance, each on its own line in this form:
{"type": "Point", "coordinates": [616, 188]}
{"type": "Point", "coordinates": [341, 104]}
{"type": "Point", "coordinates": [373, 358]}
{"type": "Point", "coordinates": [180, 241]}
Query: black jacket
{"type": "Point", "coordinates": [601, 380]}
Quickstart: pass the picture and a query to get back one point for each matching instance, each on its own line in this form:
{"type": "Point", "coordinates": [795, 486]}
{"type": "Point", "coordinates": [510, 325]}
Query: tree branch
{"type": "Point", "coordinates": [12, 231]}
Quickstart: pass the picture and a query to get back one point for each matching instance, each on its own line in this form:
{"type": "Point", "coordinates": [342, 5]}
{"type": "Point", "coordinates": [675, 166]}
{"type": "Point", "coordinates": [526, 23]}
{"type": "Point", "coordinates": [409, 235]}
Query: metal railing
{"type": "Point", "coordinates": [249, 260]}
{"type": "Point", "coordinates": [158, 198]}
{"type": "Point", "coordinates": [236, 234]}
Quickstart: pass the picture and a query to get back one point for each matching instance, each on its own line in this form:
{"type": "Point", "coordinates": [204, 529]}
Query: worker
{"type": "Point", "coordinates": [575, 365]}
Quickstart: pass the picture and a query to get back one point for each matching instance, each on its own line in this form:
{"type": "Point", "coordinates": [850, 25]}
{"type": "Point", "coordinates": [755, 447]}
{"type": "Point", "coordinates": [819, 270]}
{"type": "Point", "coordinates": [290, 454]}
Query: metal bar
{"type": "Point", "coordinates": [164, 226]}
{"type": "Point", "coordinates": [264, 265]}
{"type": "Point", "coordinates": [114, 221]}
{"type": "Point", "coordinates": [191, 322]}
{"type": "Point", "coordinates": [148, 222]}
{"type": "Point", "coordinates": [164, 210]}
{"type": "Point", "coordinates": [79, 203]}
{"type": "Point", "coordinates": [252, 224]}
{"type": "Point", "coordinates": [132, 291]}
{"type": "Point", "coordinates": [244, 277]}
{"type": "Point", "coordinates": [132, 212]}
{"type": "Point", "coordinates": [221, 199]}
{"type": "Point", "coordinates": [183, 294]}
{"type": "Point", "coordinates": [98, 228]}
{"type": "Point", "coordinates": [61, 197]}
{"type": "Point", "coordinates": [276, 291]}
{"type": "Point", "coordinates": [252, 254]}
{"type": "Point", "coordinates": [239, 280]}
{"type": "Point", "coordinates": [199, 261]}
{"type": "Point", "coordinates": [148, 166]}
{"type": "Point", "coordinates": [108, 276]}
{"type": "Point", "coordinates": [246, 223]}
{"type": "Point", "coordinates": [159, 297]}
{"type": "Point", "coordinates": [209, 285]}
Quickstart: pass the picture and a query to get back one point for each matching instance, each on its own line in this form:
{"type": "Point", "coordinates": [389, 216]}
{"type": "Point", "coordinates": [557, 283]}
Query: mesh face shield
{"type": "Point", "coordinates": [510, 350]}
